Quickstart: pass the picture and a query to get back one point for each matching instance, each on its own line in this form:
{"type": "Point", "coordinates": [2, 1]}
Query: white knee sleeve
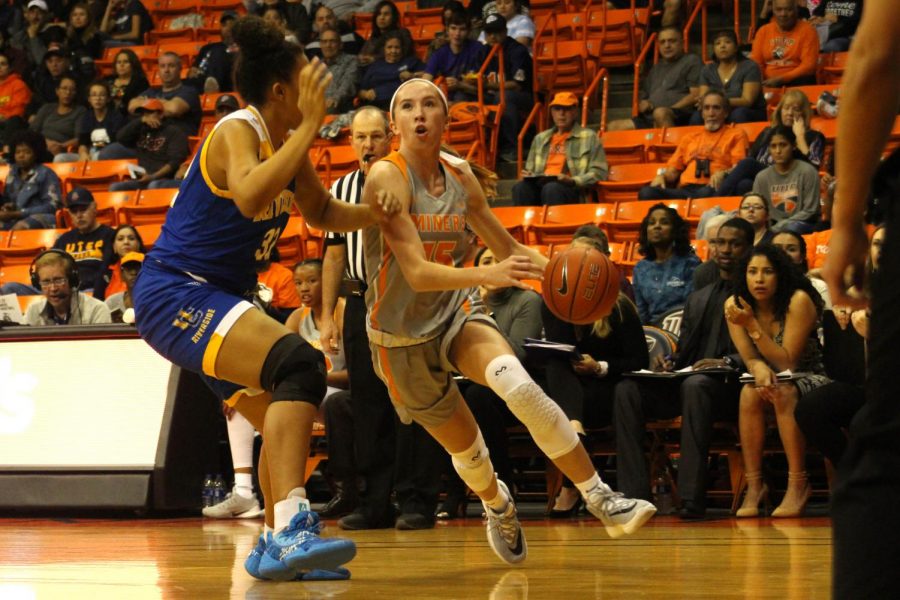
{"type": "Point", "coordinates": [544, 419]}
{"type": "Point", "coordinates": [474, 465]}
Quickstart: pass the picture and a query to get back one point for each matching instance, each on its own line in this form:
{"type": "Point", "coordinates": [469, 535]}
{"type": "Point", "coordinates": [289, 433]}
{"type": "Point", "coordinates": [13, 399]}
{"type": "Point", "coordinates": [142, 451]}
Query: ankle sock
{"type": "Point", "coordinates": [286, 509]}
{"type": "Point", "coordinates": [586, 486]}
{"type": "Point", "coordinates": [243, 484]}
{"type": "Point", "coordinates": [499, 502]}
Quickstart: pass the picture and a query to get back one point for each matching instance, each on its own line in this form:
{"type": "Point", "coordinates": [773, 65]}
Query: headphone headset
{"type": "Point", "coordinates": [71, 269]}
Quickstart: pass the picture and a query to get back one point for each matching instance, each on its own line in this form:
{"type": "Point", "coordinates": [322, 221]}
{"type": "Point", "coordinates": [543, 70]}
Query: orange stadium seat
{"type": "Point", "coordinates": [560, 221]}
{"type": "Point", "coordinates": [163, 32]}
{"type": "Point", "coordinates": [626, 147]}
{"type": "Point", "coordinates": [158, 197]}
{"type": "Point", "coordinates": [149, 233]}
{"type": "Point", "coordinates": [66, 170]}
{"type": "Point", "coordinates": [26, 244]}
{"type": "Point", "coordinates": [332, 162]}
{"type": "Point", "coordinates": [625, 225]}
{"type": "Point", "coordinates": [98, 174]}
{"type": "Point", "coordinates": [624, 181]}
{"type": "Point", "coordinates": [143, 215]}
{"type": "Point", "coordinates": [291, 244]}
{"type": "Point", "coordinates": [663, 149]}
{"type": "Point", "coordinates": [518, 219]}
{"type": "Point", "coordinates": [16, 273]}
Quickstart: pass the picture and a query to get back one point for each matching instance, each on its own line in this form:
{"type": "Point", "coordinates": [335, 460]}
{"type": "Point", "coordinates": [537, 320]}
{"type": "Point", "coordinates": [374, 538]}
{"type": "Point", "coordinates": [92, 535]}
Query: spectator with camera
{"type": "Point", "coordinates": [54, 273]}
{"type": "Point", "coordinates": [702, 159]}
{"type": "Point", "coordinates": [786, 48]}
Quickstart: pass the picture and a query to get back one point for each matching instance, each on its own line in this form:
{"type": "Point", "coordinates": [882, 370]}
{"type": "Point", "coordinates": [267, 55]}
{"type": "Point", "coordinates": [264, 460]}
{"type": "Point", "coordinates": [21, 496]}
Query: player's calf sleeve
{"type": "Point", "coordinates": [474, 465]}
{"type": "Point", "coordinates": [543, 417]}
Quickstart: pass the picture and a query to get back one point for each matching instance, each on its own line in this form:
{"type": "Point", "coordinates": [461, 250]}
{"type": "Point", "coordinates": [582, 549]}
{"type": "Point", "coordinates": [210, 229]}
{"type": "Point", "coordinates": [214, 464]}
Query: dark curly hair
{"type": "Point", "coordinates": [788, 280]}
{"type": "Point", "coordinates": [681, 240]}
{"type": "Point", "coordinates": [265, 58]}
{"type": "Point", "coordinates": [395, 15]}
{"type": "Point", "coordinates": [801, 243]}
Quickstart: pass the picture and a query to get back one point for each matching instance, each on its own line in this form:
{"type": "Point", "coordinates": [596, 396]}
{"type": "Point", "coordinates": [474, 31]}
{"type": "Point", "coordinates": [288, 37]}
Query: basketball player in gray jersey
{"type": "Point", "coordinates": [420, 334]}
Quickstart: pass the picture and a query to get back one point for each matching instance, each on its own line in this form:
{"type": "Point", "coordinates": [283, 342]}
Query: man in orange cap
{"type": "Point", "coordinates": [564, 162]}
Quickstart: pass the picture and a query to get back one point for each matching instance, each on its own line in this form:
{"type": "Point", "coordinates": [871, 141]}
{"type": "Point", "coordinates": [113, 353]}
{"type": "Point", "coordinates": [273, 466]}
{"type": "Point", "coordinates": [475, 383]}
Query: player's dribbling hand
{"type": "Point", "coordinates": [314, 80]}
{"type": "Point", "coordinates": [386, 205]}
{"type": "Point", "coordinates": [511, 272]}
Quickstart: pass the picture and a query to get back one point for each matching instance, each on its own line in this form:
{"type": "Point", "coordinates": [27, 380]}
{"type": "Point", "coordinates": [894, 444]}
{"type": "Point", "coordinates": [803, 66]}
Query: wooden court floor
{"type": "Point", "coordinates": [197, 559]}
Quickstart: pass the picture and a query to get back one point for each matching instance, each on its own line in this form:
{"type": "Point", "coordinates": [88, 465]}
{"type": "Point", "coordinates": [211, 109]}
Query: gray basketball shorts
{"type": "Point", "coordinates": [419, 378]}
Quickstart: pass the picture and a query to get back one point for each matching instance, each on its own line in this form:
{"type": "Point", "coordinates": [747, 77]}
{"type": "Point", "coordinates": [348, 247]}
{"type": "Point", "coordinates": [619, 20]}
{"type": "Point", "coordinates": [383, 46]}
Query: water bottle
{"type": "Point", "coordinates": [203, 65]}
{"type": "Point", "coordinates": [219, 490]}
{"type": "Point", "coordinates": [207, 492]}
{"type": "Point", "coordinates": [662, 496]}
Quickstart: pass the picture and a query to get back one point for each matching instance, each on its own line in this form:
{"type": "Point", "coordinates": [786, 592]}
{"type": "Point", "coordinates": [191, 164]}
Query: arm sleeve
{"type": "Point", "coordinates": [127, 136]}
{"type": "Point", "coordinates": [49, 195]}
{"type": "Point", "coordinates": [808, 49]}
{"type": "Point", "coordinates": [598, 168]}
{"type": "Point", "coordinates": [639, 300]}
{"type": "Point", "coordinates": [19, 100]}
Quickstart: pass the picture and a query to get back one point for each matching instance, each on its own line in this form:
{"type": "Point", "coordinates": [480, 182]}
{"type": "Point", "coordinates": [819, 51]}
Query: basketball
{"type": "Point", "coordinates": [580, 285]}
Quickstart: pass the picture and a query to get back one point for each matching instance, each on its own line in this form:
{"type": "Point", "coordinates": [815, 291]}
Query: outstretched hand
{"type": "Point", "coordinates": [510, 272]}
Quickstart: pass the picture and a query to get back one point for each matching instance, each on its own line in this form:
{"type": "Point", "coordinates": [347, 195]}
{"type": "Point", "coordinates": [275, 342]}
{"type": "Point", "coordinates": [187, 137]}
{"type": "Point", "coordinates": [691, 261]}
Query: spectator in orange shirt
{"type": "Point", "coordinates": [786, 49]}
{"type": "Point", "coordinates": [14, 97]}
{"type": "Point", "coordinates": [280, 281]}
{"type": "Point", "coordinates": [702, 159]}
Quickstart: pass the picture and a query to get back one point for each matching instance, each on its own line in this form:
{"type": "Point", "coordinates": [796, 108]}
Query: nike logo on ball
{"type": "Point", "coordinates": [564, 288]}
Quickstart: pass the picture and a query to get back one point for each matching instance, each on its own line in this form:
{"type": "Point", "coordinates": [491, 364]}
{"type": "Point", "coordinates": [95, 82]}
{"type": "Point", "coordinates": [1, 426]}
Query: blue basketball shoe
{"type": "Point", "coordinates": [298, 548]}
{"type": "Point", "coordinates": [251, 564]}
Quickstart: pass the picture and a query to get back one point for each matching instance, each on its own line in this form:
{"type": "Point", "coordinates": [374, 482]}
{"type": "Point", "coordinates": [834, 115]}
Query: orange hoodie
{"type": "Point", "coordinates": [14, 96]}
{"type": "Point", "coordinates": [786, 54]}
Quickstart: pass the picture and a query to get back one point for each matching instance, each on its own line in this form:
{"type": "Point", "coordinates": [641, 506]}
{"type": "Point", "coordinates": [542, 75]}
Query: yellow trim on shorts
{"type": "Point", "coordinates": [211, 353]}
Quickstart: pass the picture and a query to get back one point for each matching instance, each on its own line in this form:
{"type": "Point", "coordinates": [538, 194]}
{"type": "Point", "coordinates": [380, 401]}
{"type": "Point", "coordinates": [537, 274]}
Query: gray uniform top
{"type": "Point", "coordinates": [398, 315]}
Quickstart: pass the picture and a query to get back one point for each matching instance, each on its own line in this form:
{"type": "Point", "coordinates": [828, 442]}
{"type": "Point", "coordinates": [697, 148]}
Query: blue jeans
{"type": "Point", "coordinates": [648, 192]}
{"type": "Point", "coordinates": [740, 180]}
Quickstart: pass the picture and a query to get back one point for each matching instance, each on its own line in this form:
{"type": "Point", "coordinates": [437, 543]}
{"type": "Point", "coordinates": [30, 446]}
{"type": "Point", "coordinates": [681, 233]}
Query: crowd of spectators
{"type": "Point", "coordinates": [53, 106]}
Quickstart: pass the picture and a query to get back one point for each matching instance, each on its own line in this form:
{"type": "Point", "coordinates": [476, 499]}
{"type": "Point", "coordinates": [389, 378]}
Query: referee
{"type": "Point", "coordinates": [375, 425]}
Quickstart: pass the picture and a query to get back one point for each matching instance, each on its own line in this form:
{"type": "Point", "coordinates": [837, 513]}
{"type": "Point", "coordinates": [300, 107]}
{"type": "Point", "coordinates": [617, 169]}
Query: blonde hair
{"type": "Point", "coordinates": [792, 96]}
{"type": "Point", "coordinates": [603, 327]}
{"type": "Point", "coordinates": [487, 179]}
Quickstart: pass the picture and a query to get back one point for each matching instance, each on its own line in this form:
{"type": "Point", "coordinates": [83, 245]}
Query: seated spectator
{"type": "Point", "coordinates": [517, 313]}
{"type": "Point", "coordinates": [824, 415]}
{"type": "Point", "coordinates": [128, 80]}
{"type": "Point", "coordinates": [211, 71]}
{"type": "Point", "coordinates": [34, 37]}
{"type": "Point", "coordinates": [702, 159]}
{"type": "Point", "coordinates": [157, 142]}
{"type": "Point", "coordinates": [125, 22]}
{"type": "Point", "coordinates": [273, 15]}
{"type": "Point", "coordinates": [839, 20]}
{"type": "Point", "coordinates": [89, 242]}
{"type": "Point", "coordinates": [32, 193]}
{"type": "Point", "coordinates": [225, 104]}
{"type": "Point", "coordinates": [774, 330]}
{"type": "Point", "coordinates": [793, 111]}
{"type": "Point", "coordinates": [738, 76]}
{"type": "Point", "coordinates": [519, 25]}
{"type": "Point", "coordinates": [279, 280]}
{"type": "Point", "coordinates": [458, 61]}
{"type": "Point", "coordinates": [708, 271]}
{"type": "Point", "coordinates": [700, 398]}
{"type": "Point", "coordinates": [518, 74]}
{"type": "Point", "coordinates": [385, 19]}
{"type": "Point", "coordinates": [791, 185]}
{"type": "Point", "coordinates": [786, 49]}
{"type": "Point", "coordinates": [662, 279]}
{"type": "Point", "coordinates": [448, 10]}
{"type": "Point", "coordinates": [589, 230]}
{"type": "Point", "coordinates": [324, 17]}
{"type": "Point", "coordinates": [794, 246]}
{"type": "Point", "coordinates": [63, 304]}
{"type": "Point", "coordinates": [381, 79]}
{"type": "Point", "coordinates": [58, 122]}
{"type": "Point", "coordinates": [120, 302]}
{"type": "Point", "coordinates": [18, 59]}
{"type": "Point", "coordinates": [127, 239]}
{"type": "Point", "coordinates": [669, 92]}
{"type": "Point", "coordinates": [754, 209]}
{"type": "Point", "coordinates": [571, 153]}
{"type": "Point", "coordinates": [584, 388]}
{"type": "Point", "coordinates": [344, 72]}
{"type": "Point", "coordinates": [99, 125]}
{"type": "Point", "coordinates": [14, 98]}
{"type": "Point", "coordinates": [181, 102]}
{"type": "Point", "coordinates": [83, 40]}
{"type": "Point", "coordinates": [55, 66]}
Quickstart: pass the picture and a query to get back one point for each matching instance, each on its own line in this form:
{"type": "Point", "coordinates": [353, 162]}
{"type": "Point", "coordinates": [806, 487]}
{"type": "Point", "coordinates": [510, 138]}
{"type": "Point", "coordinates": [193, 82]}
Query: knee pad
{"type": "Point", "coordinates": [543, 417]}
{"type": "Point", "coordinates": [294, 370]}
{"type": "Point", "coordinates": [474, 465]}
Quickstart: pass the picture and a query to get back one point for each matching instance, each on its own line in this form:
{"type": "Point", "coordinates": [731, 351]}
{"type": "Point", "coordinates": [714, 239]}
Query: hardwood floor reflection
{"type": "Point", "coordinates": [199, 559]}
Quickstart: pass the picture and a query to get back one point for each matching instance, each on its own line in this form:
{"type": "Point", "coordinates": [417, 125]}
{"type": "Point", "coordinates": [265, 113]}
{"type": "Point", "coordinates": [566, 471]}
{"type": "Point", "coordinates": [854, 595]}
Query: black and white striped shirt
{"type": "Point", "coordinates": [349, 188]}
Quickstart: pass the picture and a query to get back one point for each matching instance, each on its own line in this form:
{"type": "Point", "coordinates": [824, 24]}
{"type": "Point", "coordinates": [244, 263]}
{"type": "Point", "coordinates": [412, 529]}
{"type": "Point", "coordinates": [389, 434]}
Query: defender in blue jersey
{"type": "Point", "coordinates": [192, 298]}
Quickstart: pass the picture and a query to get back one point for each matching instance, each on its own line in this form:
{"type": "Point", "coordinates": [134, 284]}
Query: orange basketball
{"type": "Point", "coordinates": [581, 285]}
